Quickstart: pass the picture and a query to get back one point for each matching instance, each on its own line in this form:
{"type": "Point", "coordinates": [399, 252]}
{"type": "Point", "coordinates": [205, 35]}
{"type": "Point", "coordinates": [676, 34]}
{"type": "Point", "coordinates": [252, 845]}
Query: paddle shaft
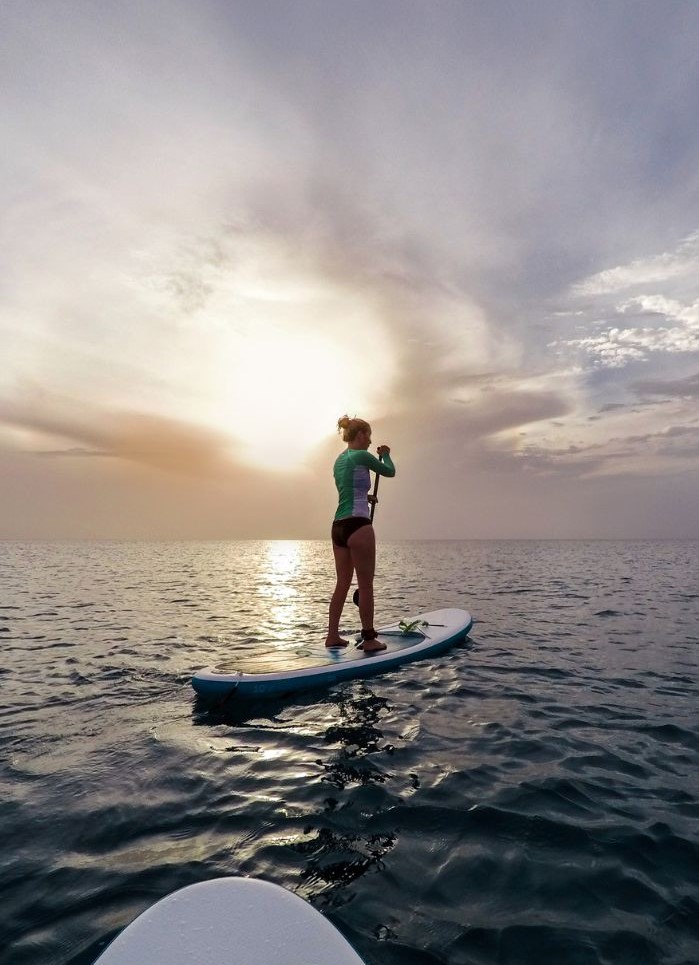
{"type": "Point", "coordinates": [355, 595]}
{"type": "Point", "coordinates": [376, 489]}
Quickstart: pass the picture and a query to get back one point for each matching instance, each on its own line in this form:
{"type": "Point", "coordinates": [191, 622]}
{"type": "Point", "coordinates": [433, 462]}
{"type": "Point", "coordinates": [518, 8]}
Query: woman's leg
{"type": "Point", "coordinates": [362, 546]}
{"type": "Point", "coordinates": [344, 568]}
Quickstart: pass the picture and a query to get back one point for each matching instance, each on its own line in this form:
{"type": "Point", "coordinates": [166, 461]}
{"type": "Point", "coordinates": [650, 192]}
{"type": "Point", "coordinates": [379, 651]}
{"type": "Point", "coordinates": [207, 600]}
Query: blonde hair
{"type": "Point", "coordinates": [350, 427]}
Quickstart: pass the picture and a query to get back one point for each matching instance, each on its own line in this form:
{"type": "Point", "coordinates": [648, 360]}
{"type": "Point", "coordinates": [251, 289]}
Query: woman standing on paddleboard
{"type": "Point", "coordinates": [354, 543]}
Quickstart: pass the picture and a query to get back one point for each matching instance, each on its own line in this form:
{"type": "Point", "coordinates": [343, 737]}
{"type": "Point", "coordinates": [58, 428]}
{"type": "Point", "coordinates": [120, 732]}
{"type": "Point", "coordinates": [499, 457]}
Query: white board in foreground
{"type": "Point", "coordinates": [230, 921]}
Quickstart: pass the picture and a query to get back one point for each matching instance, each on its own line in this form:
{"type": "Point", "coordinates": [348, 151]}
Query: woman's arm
{"type": "Point", "coordinates": [383, 467]}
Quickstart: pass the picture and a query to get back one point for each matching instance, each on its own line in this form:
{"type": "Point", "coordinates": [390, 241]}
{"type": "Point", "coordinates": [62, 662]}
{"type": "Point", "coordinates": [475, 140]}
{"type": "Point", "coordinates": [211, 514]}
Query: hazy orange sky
{"type": "Point", "coordinates": [224, 224]}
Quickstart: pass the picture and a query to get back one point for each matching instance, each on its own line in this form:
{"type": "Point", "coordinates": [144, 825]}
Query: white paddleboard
{"type": "Point", "coordinates": [230, 921]}
{"type": "Point", "coordinates": [285, 670]}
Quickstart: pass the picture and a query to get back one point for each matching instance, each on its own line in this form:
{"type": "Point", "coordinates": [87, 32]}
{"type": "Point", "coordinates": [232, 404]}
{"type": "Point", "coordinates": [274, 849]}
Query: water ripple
{"type": "Point", "coordinates": [530, 796]}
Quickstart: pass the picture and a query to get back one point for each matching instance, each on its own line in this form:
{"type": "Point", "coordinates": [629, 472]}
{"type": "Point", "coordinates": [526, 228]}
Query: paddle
{"type": "Point", "coordinates": [374, 501]}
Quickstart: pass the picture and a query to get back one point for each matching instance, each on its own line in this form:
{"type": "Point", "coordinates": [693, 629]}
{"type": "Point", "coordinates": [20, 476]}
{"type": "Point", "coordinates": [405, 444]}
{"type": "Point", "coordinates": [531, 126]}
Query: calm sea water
{"type": "Point", "coordinates": [532, 796]}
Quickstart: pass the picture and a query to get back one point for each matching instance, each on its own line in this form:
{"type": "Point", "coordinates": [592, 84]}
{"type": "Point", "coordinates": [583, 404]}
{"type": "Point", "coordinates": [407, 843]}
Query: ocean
{"type": "Point", "coordinates": [531, 796]}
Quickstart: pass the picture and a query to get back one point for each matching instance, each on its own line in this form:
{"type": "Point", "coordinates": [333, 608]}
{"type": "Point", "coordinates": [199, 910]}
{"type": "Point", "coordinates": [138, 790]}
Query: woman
{"type": "Point", "coordinates": [354, 543]}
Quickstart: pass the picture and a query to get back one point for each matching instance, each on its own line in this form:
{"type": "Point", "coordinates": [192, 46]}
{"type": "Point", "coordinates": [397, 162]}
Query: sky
{"type": "Point", "coordinates": [224, 224]}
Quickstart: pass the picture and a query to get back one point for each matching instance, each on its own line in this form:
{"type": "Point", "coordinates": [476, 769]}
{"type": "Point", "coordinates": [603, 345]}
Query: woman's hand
{"type": "Point", "coordinates": [383, 450]}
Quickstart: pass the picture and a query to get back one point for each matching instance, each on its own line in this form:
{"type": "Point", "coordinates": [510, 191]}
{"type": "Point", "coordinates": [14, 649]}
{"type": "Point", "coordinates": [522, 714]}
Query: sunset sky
{"type": "Point", "coordinates": [226, 223]}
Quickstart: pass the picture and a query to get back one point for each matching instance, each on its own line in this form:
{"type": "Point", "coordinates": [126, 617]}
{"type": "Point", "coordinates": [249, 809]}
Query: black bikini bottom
{"type": "Point", "coordinates": [342, 529]}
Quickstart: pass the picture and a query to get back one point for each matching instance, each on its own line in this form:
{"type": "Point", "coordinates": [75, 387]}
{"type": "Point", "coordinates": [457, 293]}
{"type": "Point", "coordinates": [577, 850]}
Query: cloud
{"type": "Point", "coordinates": [686, 388]}
{"type": "Point", "coordinates": [679, 442]}
{"type": "Point", "coordinates": [669, 308]}
{"type": "Point", "coordinates": [572, 462]}
{"type": "Point", "coordinates": [617, 347]}
{"type": "Point", "coordinates": [148, 440]}
{"type": "Point", "coordinates": [495, 411]}
{"type": "Point", "coordinates": [78, 452]}
{"type": "Point", "coordinates": [682, 261]}
{"type": "Point", "coordinates": [671, 315]}
{"type": "Point", "coordinates": [676, 442]}
{"type": "Point", "coordinates": [168, 444]}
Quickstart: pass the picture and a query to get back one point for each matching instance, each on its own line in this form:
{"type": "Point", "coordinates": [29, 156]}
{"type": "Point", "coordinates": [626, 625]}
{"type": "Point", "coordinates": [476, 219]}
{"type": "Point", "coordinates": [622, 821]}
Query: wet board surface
{"type": "Point", "coordinates": [305, 656]}
{"type": "Point", "coordinates": [312, 664]}
{"type": "Point", "coordinates": [230, 921]}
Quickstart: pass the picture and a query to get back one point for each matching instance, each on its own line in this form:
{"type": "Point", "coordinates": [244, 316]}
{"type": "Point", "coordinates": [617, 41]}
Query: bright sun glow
{"type": "Point", "coordinates": [286, 395]}
{"type": "Point", "coordinates": [299, 352]}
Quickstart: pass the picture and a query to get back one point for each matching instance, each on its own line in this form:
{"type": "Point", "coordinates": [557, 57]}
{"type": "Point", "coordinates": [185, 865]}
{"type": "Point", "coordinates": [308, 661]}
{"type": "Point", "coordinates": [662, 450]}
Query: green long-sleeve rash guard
{"type": "Point", "coordinates": [353, 482]}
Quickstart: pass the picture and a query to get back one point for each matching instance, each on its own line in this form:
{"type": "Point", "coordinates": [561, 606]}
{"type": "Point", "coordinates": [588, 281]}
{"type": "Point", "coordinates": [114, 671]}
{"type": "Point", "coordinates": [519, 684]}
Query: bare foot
{"type": "Point", "coordinates": [336, 642]}
{"type": "Point", "coordinates": [372, 646]}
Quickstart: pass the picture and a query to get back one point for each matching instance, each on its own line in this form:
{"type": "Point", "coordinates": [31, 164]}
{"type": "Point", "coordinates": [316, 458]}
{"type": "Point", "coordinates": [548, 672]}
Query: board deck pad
{"type": "Point", "coordinates": [313, 656]}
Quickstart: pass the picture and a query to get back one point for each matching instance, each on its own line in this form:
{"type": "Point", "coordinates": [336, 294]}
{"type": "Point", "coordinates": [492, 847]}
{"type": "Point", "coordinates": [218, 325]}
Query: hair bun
{"type": "Point", "coordinates": [350, 427]}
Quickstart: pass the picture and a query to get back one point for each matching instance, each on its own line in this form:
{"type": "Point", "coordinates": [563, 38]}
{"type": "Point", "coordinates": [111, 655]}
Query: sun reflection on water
{"type": "Point", "coordinates": [278, 578]}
